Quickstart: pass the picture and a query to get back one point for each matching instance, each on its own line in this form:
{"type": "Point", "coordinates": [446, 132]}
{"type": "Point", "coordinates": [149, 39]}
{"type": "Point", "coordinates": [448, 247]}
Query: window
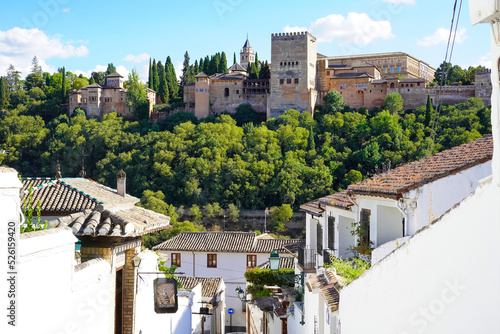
{"type": "Point", "coordinates": [176, 259]}
{"type": "Point", "coordinates": [288, 81]}
{"type": "Point", "coordinates": [251, 261]}
{"type": "Point", "coordinates": [328, 73]}
{"type": "Point", "coordinates": [237, 91]}
{"type": "Point", "coordinates": [296, 80]}
{"type": "Point", "coordinates": [399, 68]}
{"type": "Point", "coordinates": [212, 260]}
{"type": "Point", "coordinates": [226, 92]}
{"type": "Point", "coordinates": [282, 81]}
{"type": "Point", "coordinates": [365, 223]}
{"type": "Point", "coordinates": [392, 68]}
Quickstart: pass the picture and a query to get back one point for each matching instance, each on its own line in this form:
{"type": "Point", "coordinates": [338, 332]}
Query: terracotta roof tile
{"type": "Point", "coordinates": [209, 285]}
{"type": "Point", "coordinates": [56, 196]}
{"type": "Point", "coordinates": [285, 262]}
{"type": "Point", "coordinates": [313, 207]}
{"type": "Point", "coordinates": [125, 222]}
{"type": "Point", "coordinates": [329, 287]}
{"type": "Point", "coordinates": [340, 199]}
{"type": "Point", "coordinates": [244, 242]}
{"type": "Point", "coordinates": [415, 174]}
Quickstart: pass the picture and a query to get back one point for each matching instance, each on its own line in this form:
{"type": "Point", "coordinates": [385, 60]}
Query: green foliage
{"type": "Point", "coordinates": [28, 207]}
{"type": "Point", "coordinates": [258, 276]}
{"type": "Point", "coordinates": [333, 102]}
{"type": "Point", "coordinates": [393, 103]}
{"type": "Point", "coordinates": [169, 272]}
{"type": "Point", "coordinates": [195, 213]}
{"type": "Point", "coordinates": [278, 216]}
{"type": "Point", "coordinates": [245, 113]}
{"type": "Point", "coordinates": [348, 269]}
{"type": "Point", "coordinates": [4, 94]}
{"type": "Point", "coordinates": [449, 74]}
{"type": "Point", "coordinates": [233, 212]}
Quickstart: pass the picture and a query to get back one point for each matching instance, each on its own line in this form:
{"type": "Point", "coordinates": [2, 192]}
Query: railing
{"type": "Point", "coordinates": [326, 256]}
{"type": "Point", "coordinates": [307, 258]}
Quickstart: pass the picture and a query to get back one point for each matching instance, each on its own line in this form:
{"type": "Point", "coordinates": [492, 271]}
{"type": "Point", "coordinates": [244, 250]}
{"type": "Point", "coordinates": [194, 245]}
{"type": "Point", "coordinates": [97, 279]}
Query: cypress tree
{"type": "Point", "coordinates": [92, 80]}
{"type": "Point", "coordinates": [171, 76]}
{"type": "Point", "coordinates": [257, 61]}
{"type": "Point", "coordinates": [252, 71]}
{"type": "Point", "coordinates": [223, 63]}
{"type": "Point", "coordinates": [150, 78]}
{"type": "Point", "coordinates": [200, 66]}
{"type": "Point", "coordinates": [206, 64]}
{"type": "Point", "coordinates": [63, 86]}
{"type": "Point", "coordinates": [163, 85]}
{"type": "Point", "coordinates": [311, 145]}
{"type": "Point", "coordinates": [428, 111]}
{"type": "Point", "coordinates": [156, 78]}
{"type": "Point", "coordinates": [195, 67]}
{"type": "Point", "coordinates": [4, 93]}
{"type": "Point", "coordinates": [234, 58]}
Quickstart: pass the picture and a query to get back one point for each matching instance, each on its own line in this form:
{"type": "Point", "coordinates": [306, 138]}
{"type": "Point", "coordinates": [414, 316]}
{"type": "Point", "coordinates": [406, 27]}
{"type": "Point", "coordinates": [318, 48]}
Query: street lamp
{"type": "Point", "coordinates": [274, 260]}
{"type": "Point", "coordinates": [136, 261]}
{"type": "Point", "coordinates": [274, 264]}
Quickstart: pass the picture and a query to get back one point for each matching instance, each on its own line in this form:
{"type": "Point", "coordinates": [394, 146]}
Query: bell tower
{"type": "Point", "coordinates": [247, 55]}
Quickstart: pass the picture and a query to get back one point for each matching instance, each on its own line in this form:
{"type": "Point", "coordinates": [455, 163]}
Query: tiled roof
{"type": "Point", "coordinates": [237, 68]}
{"type": "Point", "coordinates": [340, 199]}
{"type": "Point", "coordinates": [104, 194]}
{"type": "Point", "coordinates": [426, 170]}
{"type": "Point", "coordinates": [247, 44]}
{"type": "Point", "coordinates": [329, 287]}
{"type": "Point", "coordinates": [293, 248]}
{"type": "Point", "coordinates": [209, 285]}
{"type": "Point", "coordinates": [285, 262]}
{"type": "Point", "coordinates": [378, 81]}
{"type": "Point", "coordinates": [115, 74]}
{"type": "Point", "coordinates": [56, 195]}
{"type": "Point", "coordinates": [201, 75]}
{"type": "Point", "coordinates": [353, 75]}
{"type": "Point", "coordinates": [242, 242]}
{"type": "Point", "coordinates": [229, 76]}
{"type": "Point", "coordinates": [313, 207]}
{"type": "Point", "coordinates": [132, 221]}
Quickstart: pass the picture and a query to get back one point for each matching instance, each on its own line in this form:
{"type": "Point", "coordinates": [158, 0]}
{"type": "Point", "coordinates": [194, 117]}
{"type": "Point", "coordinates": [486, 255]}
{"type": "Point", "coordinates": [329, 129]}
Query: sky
{"type": "Point", "coordinates": [85, 36]}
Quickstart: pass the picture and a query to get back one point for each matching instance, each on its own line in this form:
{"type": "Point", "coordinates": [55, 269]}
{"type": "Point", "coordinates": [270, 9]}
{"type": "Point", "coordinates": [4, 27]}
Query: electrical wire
{"type": "Point", "coordinates": [447, 59]}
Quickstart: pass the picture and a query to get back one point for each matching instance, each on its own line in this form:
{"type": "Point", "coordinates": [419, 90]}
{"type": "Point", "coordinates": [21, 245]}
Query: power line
{"type": "Point", "coordinates": [453, 31]}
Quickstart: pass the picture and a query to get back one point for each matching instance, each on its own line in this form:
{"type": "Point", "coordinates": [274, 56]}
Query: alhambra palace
{"type": "Point", "coordinates": [300, 77]}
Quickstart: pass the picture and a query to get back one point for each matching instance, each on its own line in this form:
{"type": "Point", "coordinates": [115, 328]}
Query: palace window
{"type": "Point", "coordinates": [251, 261]}
{"type": "Point", "coordinates": [282, 81]}
{"type": "Point", "coordinates": [288, 81]}
{"type": "Point", "coordinates": [176, 259]}
{"type": "Point", "coordinates": [328, 73]}
{"type": "Point", "coordinates": [212, 260]}
{"type": "Point", "coordinates": [296, 80]}
{"type": "Point", "coordinates": [226, 92]}
{"type": "Point", "coordinates": [399, 68]}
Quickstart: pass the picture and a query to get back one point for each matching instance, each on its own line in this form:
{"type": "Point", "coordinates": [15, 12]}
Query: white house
{"type": "Point", "coordinates": [222, 254]}
{"type": "Point", "coordinates": [444, 279]}
{"type": "Point", "coordinates": [396, 204]}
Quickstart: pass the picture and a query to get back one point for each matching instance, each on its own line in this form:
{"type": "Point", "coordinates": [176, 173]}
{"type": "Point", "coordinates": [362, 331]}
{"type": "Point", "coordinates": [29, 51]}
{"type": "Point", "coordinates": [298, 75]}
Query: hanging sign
{"type": "Point", "coordinates": [165, 295]}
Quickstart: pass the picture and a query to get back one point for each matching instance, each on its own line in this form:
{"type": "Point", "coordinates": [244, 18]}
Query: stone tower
{"type": "Point", "coordinates": [201, 96]}
{"type": "Point", "coordinates": [293, 73]}
{"type": "Point", "coordinates": [247, 55]}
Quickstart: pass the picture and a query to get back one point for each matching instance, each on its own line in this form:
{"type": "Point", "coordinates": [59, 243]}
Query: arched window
{"type": "Point", "coordinates": [226, 92]}
{"type": "Point", "coordinates": [392, 84]}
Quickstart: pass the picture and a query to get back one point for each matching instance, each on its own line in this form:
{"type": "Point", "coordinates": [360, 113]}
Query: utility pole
{"type": "Point", "coordinates": [265, 215]}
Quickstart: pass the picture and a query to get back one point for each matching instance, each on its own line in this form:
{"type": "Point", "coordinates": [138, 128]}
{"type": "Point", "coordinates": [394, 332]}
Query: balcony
{"type": "Point", "coordinates": [307, 259]}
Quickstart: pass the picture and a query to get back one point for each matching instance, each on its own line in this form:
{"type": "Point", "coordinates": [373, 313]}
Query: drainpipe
{"type": "Point", "coordinates": [194, 270]}
{"type": "Point", "coordinates": [405, 214]}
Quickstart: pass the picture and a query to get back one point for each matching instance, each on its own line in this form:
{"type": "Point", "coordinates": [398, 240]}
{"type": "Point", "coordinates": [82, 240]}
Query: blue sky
{"type": "Point", "coordinates": [87, 35]}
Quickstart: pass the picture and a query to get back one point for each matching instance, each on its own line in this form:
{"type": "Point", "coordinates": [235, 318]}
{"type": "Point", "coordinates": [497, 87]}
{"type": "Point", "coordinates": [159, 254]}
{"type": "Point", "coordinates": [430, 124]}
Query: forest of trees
{"type": "Point", "coordinates": [449, 74]}
{"type": "Point", "coordinates": [287, 160]}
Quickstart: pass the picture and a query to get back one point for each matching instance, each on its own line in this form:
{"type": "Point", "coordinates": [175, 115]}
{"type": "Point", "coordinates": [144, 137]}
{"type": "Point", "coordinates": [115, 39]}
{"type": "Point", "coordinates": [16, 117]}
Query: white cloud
{"type": "Point", "coordinates": [102, 68]}
{"type": "Point", "coordinates": [178, 69]}
{"type": "Point", "coordinates": [294, 29]}
{"type": "Point", "coordinates": [123, 71]}
{"type": "Point", "coordinates": [137, 59]}
{"type": "Point", "coordinates": [355, 28]}
{"type": "Point", "coordinates": [440, 36]}
{"type": "Point", "coordinates": [485, 61]}
{"type": "Point", "coordinates": [18, 46]}
{"type": "Point", "coordinates": [144, 72]}
{"type": "Point", "coordinates": [66, 10]}
{"type": "Point", "coordinates": [407, 2]}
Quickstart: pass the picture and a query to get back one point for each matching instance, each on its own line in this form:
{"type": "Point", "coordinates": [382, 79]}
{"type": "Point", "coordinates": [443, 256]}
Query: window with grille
{"type": "Point", "coordinates": [176, 259]}
{"type": "Point", "coordinates": [251, 261]}
{"type": "Point", "coordinates": [212, 260]}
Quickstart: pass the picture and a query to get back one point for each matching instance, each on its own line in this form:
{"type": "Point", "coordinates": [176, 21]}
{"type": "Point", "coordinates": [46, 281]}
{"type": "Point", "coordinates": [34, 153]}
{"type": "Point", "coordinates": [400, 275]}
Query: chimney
{"type": "Point", "coordinates": [121, 183]}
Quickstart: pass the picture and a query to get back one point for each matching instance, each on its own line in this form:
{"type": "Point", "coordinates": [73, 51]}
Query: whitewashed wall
{"type": "Point", "coordinates": [443, 280]}
{"type": "Point", "coordinates": [230, 266]}
{"type": "Point", "coordinates": [53, 298]}
{"type": "Point", "coordinates": [147, 321]}
{"type": "Point", "coordinates": [445, 193]}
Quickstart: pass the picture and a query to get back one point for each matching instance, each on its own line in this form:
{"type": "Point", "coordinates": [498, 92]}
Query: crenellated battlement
{"type": "Point", "coordinates": [289, 35]}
